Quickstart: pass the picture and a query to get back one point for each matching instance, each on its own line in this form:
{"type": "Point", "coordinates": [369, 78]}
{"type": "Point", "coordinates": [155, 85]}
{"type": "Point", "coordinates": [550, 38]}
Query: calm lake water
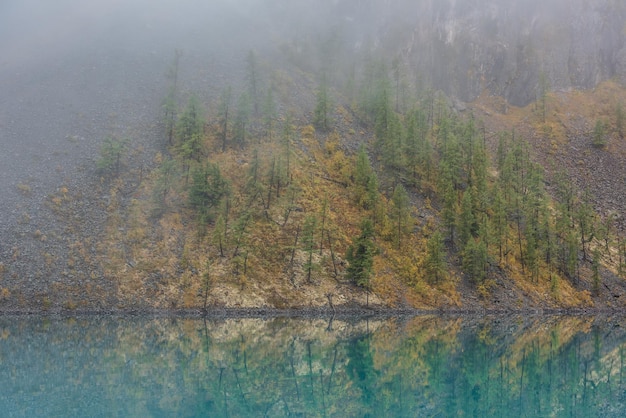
{"type": "Point", "coordinates": [423, 366]}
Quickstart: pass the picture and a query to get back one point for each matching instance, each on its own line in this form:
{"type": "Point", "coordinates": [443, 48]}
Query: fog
{"type": "Point", "coordinates": [68, 65]}
{"type": "Point", "coordinates": [74, 71]}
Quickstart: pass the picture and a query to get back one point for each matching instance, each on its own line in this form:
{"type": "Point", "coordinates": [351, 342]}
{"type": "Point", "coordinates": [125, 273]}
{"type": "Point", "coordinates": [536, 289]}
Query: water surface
{"type": "Point", "coordinates": [422, 366]}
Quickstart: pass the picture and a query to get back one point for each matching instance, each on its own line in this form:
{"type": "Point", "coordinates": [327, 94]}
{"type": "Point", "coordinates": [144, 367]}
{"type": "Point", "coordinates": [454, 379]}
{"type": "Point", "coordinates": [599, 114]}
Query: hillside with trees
{"type": "Point", "coordinates": [383, 194]}
{"type": "Point", "coordinates": [344, 168]}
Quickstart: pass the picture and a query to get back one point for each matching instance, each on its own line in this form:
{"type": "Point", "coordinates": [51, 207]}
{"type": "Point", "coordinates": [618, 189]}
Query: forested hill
{"type": "Point", "coordinates": [337, 157]}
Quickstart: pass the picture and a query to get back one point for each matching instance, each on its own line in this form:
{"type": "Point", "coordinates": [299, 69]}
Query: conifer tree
{"type": "Point", "coordinates": [321, 115]}
{"type": "Point", "coordinates": [360, 256]}
{"type": "Point", "coordinates": [224, 114]}
{"type": "Point", "coordinates": [207, 190]}
{"type": "Point", "coordinates": [417, 150]}
{"type": "Point", "coordinates": [569, 256]}
{"type": "Point", "coordinates": [600, 134]}
{"type": "Point", "coordinates": [468, 227]}
{"type": "Point", "coordinates": [365, 181]}
{"type": "Point", "coordinates": [189, 130]}
{"type": "Point", "coordinates": [475, 259]}
{"type": "Point", "coordinates": [391, 144]}
{"type": "Point", "coordinates": [400, 212]}
{"type": "Point", "coordinates": [435, 261]}
{"type": "Point", "coordinates": [449, 200]}
{"type": "Point", "coordinates": [254, 186]}
{"type": "Point", "coordinates": [111, 153]}
{"type": "Point", "coordinates": [240, 231]}
{"type": "Point", "coordinates": [595, 269]}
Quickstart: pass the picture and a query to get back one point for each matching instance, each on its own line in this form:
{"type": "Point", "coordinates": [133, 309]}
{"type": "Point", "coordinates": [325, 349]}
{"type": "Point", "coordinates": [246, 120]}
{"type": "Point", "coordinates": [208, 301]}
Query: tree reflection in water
{"type": "Point", "coordinates": [421, 366]}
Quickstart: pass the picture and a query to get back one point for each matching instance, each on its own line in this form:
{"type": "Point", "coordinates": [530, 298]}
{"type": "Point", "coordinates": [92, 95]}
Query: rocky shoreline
{"type": "Point", "coordinates": [354, 312]}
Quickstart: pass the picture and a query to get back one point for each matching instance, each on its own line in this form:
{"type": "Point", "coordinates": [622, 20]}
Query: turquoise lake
{"type": "Point", "coordinates": [426, 366]}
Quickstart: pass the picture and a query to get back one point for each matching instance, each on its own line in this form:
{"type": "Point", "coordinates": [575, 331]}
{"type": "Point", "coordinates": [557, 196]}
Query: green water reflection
{"type": "Point", "coordinates": [423, 366]}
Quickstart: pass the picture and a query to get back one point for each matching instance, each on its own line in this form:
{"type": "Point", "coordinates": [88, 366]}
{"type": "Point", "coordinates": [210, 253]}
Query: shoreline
{"type": "Point", "coordinates": [308, 312]}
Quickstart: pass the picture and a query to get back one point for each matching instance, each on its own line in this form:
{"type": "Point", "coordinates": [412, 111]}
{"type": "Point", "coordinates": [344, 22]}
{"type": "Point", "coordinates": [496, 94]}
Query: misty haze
{"type": "Point", "coordinates": [177, 155]}
{"type": "Point", "coordinates": [433, 191]}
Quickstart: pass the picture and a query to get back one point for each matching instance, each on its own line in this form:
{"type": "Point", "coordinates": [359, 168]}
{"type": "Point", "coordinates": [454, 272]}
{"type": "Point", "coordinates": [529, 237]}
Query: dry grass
{"type": "Point", "coordinates": [166, 263]}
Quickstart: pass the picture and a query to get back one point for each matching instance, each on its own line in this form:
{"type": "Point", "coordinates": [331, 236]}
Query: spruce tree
{"type": "Point", "coordinates": [475, 259]}
{"type": "Point", "coordinates": [224, 115]}
{"type": "Point", "coordinates": [365, 181]}
{"type": "Point", "coordinates": [360, 256]}
{"type": "Point", "coordinates": [207, 190]}
{"type": "Point", "coordinates": [435, 262]}
{"type": "Point", "coordinates": [189, 129]}
{"type": "Point", "coordinates": [468, 226]}
{"type": "Point", "coordinates": [111, 153]}
{"type": "Point", "coordinates": [321, 115]}
{"type": "Point", "coordinates": [400, 212]}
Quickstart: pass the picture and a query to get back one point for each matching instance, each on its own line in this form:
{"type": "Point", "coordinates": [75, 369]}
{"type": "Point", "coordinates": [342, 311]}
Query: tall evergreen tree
{"type": "Point", "coordinates": [224, 115]}
{"type": "Point", "coordinates": [435, 262]}
{"type": "Point", "coordinates": [468, 226]}
{"type": "Point", "coordinates": [499, 223]}
{"type": "Point", "coordinates": [365, 181]}
{"type": "Point", "coordinates": [207, 190]}
{"type": "Point", "coordinates": [360, 256]}
{"type": "Point", "coordinates": [417, 150]}
{"type": "Point", "coordinates": [189, 130]}
{"type": "Point", "coordinates": [401, 212]}
{"type": "Point", "coordinates": [475, 259]}
{"type": "Point", "coordinates": [449, 199]}
{"type": "Point", "coordinates": [321, 115]}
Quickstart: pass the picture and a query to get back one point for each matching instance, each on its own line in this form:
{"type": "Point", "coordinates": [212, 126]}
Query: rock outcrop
{"type": "Point", "coordinates": [504, 46]}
